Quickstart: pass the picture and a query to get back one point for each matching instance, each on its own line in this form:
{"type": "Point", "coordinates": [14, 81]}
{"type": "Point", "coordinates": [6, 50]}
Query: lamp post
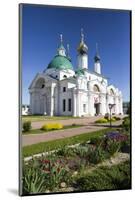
{"type": "Point", "coordinates": [110, 108]}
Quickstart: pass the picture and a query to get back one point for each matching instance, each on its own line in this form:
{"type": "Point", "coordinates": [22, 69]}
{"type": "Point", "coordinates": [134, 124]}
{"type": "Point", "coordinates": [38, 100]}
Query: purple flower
{"type": "Point", "coordinates": [116, 136]}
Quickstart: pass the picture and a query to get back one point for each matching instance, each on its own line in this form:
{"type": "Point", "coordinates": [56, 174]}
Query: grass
{"type": "Point", "coordinates": [39, 131]}
{"type": "Point", "coordinates": [55, 144]}
{"type": "Point", "coordinates": [105, 178]}
{"type": "Point", "coordinates": [34, 118]}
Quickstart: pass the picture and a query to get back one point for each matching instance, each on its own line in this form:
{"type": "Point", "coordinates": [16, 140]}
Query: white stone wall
{"type": "Point", "coordinates": [49, 99]}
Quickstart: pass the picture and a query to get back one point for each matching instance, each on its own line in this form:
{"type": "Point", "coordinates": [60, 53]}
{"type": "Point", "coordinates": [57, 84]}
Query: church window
{"type": "Point", "coordinates": [64, 76]}
{"type": "Point", "coordinates": [69, 104]}
{"type": "Point", "coordinates": [96, 88]}
{"type": "Point", "coordinates": [42, 86]}
{"type": "Point", "coordinates": [84, 107]}
{"type": "Point", "coordinates": [64, 105]}
{"type": "Point", "coordinates": [64, 89]}
{"type": "Point", "coordinates": [111, 92]}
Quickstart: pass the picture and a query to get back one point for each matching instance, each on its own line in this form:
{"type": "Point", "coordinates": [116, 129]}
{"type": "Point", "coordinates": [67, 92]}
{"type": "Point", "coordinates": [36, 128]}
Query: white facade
{"type": "Point", "coordinates": [62, 91]}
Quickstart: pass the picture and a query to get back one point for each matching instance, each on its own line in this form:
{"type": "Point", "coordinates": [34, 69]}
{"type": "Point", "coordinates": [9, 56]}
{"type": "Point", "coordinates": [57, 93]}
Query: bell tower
{"type": "Point", "coordinates": [82, 57]}
{"type": "Point", "coordinates": [61, 50]}
{"type": "Point", "coordinates": [97, 64]}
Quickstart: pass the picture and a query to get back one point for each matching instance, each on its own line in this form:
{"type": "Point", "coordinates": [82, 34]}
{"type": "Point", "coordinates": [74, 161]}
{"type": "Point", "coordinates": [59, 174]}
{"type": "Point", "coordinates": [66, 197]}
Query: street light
{"type": "Point", "coordinates": [110, 108]}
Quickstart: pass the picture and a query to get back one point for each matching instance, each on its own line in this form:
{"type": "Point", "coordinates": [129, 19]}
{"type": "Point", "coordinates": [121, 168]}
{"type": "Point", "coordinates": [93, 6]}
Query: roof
{"type": "Point", "coordinates": [60, 62]}
{"type": "Point", "coordinates": [79, 72]}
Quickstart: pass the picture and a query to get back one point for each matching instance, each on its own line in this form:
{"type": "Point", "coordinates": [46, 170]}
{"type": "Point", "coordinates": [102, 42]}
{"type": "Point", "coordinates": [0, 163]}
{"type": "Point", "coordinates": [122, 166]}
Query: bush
{"type": "Point", "coordinates": [113, 146]}
{"type": "Point", "coordinates": [33, 181]}
{"type": "Point", "coordinates": [117, 118]}
{"type": "Point", "coordinates": [113, 119]}
{"type": "Point", "coordinates": [107, 116]}
{"type": "Point", "coordinates": [103, 120]}
{"type": "Point", "coordinates": [96, 155]}
{"type": "Point", "coordinates": [126, 124]}
{"type": "Point", "coordinates": [96, 140]}
{"type": "Point", "coordinates": [27, 126]}
{"type": "Point", "coordinates": [51, 126]}
{"type": "Point", "coordinates": [105, 178]}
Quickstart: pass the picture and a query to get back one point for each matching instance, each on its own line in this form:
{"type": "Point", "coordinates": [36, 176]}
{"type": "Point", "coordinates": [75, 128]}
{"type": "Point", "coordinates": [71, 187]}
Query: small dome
{"type": "Point", "coordinates": [97, 58]}
{"type": "Point", "coordinates": [82, 48]}
{"type": "Point", "coordinates": [60, 62]}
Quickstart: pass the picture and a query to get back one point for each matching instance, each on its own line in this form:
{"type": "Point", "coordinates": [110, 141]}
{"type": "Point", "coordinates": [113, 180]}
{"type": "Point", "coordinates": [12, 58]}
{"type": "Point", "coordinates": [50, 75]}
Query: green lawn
{"type": "Point", "coordinates": [34, 118]}
{"type": "Point", "coordinates": [55, 144]}
{"type": "Point", "coordinates": [39, 131]}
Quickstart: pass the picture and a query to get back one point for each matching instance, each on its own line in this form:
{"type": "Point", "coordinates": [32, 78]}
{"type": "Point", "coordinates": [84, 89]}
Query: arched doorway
{"type": "Point", "coordinates": [97, 104]}
{"type": "Point", "coordinates": [40, 105]}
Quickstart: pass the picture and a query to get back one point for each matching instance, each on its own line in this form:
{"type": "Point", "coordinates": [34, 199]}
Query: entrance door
{"type": "Point", "coordinates": [97, 108]}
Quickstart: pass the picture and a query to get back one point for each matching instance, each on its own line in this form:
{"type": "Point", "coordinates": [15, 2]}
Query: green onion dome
{"type": "Point", "coordinates": [60, 62]}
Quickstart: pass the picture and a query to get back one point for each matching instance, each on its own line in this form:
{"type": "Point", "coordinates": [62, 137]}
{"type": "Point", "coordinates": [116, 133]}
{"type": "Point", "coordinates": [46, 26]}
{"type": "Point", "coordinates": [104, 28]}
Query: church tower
{"type": "Point", "coordinates": [61, 50]}
{"type": "Point", "coordinates": [97, 64]}
{"type": "Point", "coordinates": [82, 57]}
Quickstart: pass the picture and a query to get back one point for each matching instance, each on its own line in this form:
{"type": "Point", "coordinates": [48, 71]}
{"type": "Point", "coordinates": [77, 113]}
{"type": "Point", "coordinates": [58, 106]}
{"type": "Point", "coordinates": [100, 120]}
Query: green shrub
{"type": "Point", "coordinates": [112, 119]}
{"type": "Point", "coordinates": [96, 155]}
{"type": "Point", "coordinates": [65, 151]}
{"type": "Point", "coordinates": [27, 126]}
{"type": "Point", "coordinates": [105, 178]}
{"type": "Point", "coordinates": [113, 146]}
{"type": "Point", "coordinates": [126, 124]}
{"type": "Point", "coordinates": [82, 151]}
{"type": "Point", "coordinates": [117, 118]}
{"type": "Point", "coordinates": [52, 126]}
{"type": "Point", "coordinates": [33, 181]}
{"type": "Point", "coordinates": [96, 140]}
{"type": "Point", "coordinates": [103, 120]}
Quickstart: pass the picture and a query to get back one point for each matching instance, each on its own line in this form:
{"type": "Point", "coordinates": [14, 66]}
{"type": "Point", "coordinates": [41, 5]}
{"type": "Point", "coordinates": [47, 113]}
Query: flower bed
{"type": "Point", "coordinates": [58, 169]}
{"type": "Point", "coordinates": [105, 120]}
{"type": "Point", "coordinates": [52, 126]}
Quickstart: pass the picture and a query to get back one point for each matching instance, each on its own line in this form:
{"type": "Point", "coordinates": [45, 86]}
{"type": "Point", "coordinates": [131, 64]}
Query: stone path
{"type": "Point", "coordinates": [53, 135]}
{"type": "Point", "coordinates": [82, 120]}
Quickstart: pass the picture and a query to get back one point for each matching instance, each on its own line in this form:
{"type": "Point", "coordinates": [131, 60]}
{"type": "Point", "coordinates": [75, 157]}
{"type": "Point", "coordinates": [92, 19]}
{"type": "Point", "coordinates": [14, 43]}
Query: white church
{"type": "Point", "coordinates": [60, 90]}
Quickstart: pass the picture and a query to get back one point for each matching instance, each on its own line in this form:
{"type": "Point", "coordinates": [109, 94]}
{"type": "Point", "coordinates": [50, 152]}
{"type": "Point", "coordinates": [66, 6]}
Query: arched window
{"type": "Point", "coordinates": [64, 76]}
{"type": "Point", "coordinates": [96, 88]}
{"type": "Point", "coordinates": [40, 83]}
{"type": "Point", "coordinates": [111, 92]}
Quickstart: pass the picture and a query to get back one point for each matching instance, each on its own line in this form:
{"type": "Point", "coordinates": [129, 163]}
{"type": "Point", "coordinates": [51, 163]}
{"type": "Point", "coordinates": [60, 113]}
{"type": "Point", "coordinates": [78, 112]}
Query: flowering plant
{"type": "Point", "coordinates": [55, 170]}
{"type": "Point", "coordinates": [116, 136]}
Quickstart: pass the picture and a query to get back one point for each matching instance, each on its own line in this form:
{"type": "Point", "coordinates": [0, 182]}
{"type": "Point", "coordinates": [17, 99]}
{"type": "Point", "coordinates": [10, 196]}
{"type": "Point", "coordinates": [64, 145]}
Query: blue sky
{"type": "Point", "coordinates": [41, 27]}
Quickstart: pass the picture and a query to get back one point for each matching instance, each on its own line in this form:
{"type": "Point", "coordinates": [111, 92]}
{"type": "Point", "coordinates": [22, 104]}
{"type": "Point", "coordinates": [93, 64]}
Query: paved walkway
{"type": "Point", "coordinates": [82, 120]}
{"type": "Point", "coordinates": [53, 135]}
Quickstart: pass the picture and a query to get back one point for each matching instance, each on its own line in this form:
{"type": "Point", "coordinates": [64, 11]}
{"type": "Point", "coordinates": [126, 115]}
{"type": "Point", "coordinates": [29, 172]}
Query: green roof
{"type": "Point", "coordinates": [61, 47]}
{"type": "Point", "coordinates": [60, 62]}
{"type": "Point", "coordinates": [79, 72]}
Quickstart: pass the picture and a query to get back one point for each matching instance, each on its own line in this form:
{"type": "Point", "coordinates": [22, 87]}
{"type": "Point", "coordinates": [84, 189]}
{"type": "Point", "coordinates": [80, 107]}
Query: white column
{"type": "Point", "coordinates": [107, 102]}
{"type": "Point", "coordinates": [89, 103]}
{"type": "Point", "coordinates": [74, 113]}
{"type": "Point", "coordinates": [121, 106]}
{"type": "Point", "coordinates": [103, 104]}
{"type": "Point", "coordinates": [52, 101]}
{"type": "Point", "coordinates": [78, 104]}
{"type": "Point", "coordinates": [117, 105]}
{"type": "Point", "coordinates": [92, 110]}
